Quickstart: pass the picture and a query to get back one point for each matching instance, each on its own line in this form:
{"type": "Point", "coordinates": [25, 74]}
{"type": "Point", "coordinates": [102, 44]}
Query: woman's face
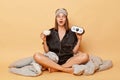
{"type": "Point", "coordinates": [61, 19]}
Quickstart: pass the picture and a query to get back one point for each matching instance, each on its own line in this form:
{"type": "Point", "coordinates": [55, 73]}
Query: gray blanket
{"type": "Point", "coordinates": [28, 66]}
{"type": "Point", "coordinates": [94, 64]}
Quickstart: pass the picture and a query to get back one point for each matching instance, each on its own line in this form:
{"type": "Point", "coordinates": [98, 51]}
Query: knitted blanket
{"type": "Point", "coordinates": [28, 66]}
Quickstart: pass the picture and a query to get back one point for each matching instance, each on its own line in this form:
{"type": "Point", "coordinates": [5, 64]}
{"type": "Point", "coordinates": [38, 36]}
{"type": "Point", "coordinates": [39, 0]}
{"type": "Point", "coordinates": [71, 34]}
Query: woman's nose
{"type": "Point", "coordinates": [61, 18]}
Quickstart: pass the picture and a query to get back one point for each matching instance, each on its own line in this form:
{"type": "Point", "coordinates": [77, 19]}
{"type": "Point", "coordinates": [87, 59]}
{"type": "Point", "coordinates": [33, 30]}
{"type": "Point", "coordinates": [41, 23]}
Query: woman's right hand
{"type": "Point", "coordinates": [45, 46]}
{"type": "Point", "coordinates": [43, 37]}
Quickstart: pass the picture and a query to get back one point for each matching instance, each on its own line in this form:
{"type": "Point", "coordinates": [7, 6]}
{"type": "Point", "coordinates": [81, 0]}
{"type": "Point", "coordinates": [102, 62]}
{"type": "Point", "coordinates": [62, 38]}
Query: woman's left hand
{"type": "Point", "coordinates": [79, 37]}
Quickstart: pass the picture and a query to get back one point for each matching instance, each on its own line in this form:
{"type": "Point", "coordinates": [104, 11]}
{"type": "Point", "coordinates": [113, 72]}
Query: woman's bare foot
{"type": "Point", "coordinates": [52, 70]}
{"type": "Point", "coordinates": [67, 70]}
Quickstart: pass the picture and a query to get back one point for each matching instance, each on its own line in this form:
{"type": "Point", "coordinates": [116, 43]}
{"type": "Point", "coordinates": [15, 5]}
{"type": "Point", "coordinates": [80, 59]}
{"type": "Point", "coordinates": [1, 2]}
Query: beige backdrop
{"type": "Point", "coordinates": [22, 21]}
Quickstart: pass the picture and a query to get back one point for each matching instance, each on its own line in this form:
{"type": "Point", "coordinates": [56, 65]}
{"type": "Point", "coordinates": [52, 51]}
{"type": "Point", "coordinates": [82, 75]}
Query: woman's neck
{"type": "Point", "coordinates": [61, 28]}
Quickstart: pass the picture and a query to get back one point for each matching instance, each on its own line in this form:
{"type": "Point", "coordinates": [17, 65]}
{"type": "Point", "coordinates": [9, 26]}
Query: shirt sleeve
{"type": "Point", "coordinates": [75, 40]}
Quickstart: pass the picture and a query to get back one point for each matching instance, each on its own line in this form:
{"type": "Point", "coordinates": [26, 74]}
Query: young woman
{"type": "Point", "coordinates": [64, 43]}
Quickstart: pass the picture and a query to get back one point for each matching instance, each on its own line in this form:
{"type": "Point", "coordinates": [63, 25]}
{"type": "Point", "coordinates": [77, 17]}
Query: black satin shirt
{"type": "Point", "coordinates": [63, 48]}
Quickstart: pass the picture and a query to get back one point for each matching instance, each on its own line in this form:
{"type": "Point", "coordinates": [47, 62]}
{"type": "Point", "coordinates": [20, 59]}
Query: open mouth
{"type": "Point", "coordinates": [60, 21]}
